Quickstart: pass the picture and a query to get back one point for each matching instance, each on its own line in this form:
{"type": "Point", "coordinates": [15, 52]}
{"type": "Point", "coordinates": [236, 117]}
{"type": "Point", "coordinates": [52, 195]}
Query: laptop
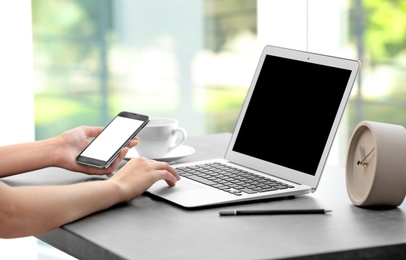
{"type": "Point", "coordinates": [284, 131]}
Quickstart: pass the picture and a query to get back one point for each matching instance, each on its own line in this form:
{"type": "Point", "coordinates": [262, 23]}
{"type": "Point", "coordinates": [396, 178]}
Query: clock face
{"type": "Point", "coordinates": [375, 170]}
{"type": "Point", "coordinates": [361, 164]}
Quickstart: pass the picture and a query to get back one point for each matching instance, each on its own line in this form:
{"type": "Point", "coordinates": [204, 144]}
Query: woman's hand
{"type": "Point", "coordinates": [72, 142]}
{"type": "Point", "coordinates": [138, 174]}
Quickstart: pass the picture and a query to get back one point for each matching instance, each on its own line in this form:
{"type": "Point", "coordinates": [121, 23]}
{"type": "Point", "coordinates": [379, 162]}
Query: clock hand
{"type": "Point", "coordinates": [362, 152]}
{"type": "Point", "coordinates": [368, 154]}
{"type": "Point", "coordinates": [363, 161]}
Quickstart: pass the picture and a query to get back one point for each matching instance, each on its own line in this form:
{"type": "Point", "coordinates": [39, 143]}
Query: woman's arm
{"type": "Point", "coordinates": [26, 211]}
{"type": "Point", "coordinates": [30, 210]}
{"type": "Point", "coordinates": [19, 158]}
{"type": "Point", "coordinates": [59, 151]}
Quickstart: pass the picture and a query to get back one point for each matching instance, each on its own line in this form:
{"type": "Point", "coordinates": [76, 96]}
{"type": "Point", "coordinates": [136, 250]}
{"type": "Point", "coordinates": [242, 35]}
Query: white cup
{"type": "Point", "coordinates": [159, 137]}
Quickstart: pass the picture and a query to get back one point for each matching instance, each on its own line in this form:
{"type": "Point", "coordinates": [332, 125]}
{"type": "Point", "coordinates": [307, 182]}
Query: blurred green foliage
{"type": "Point", "coordinates": [384, 28]}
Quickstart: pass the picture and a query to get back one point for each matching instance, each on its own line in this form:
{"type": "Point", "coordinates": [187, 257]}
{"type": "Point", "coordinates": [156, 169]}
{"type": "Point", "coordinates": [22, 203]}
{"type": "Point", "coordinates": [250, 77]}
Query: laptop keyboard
{"type": "Point", "coordinates": [230, 179]}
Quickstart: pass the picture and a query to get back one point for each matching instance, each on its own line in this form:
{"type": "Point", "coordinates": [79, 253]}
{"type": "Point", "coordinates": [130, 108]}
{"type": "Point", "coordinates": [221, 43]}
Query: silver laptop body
{"type": "Point", "coordinates": [285, 128]}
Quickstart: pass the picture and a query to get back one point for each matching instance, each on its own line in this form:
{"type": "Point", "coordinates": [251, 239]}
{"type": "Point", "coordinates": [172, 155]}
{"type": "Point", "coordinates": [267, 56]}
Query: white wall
{"type": "Point", "coordinates": [16, 70]}
{"type": "Point", "coordinates": [16, 97]}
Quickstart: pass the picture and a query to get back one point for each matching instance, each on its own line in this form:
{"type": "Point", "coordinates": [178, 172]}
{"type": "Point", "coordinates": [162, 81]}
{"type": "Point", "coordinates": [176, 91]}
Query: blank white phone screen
{"type": "Point", "coordinates": [112, 137]}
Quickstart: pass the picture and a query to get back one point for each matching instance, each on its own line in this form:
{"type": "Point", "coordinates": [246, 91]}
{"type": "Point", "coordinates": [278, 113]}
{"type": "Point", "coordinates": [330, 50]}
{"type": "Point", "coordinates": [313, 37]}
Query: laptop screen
{"type": "Point", "coordinates": [291, 111]}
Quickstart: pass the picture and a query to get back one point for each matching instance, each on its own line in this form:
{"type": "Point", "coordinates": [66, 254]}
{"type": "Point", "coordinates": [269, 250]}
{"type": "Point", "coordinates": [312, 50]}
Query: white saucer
{"type": "Point", "coordinates": [178, 153]}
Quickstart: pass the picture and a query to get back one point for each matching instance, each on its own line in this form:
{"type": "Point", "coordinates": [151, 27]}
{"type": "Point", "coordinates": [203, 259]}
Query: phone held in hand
{"type": "Point", "coordinates": [106, 147]}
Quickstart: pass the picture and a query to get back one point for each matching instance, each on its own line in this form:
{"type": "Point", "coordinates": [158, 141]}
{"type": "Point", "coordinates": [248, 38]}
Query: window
{"type": "Point", "coordinates": [96, 58]}
{"type": "Point", "coordinates": [194, 60]}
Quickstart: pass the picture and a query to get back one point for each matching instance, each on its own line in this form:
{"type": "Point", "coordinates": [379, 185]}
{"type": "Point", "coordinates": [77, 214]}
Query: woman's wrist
{"type": "Point", "coordinates": [118, 191]}
{"type": "Point", "coordinates": [55, 146]}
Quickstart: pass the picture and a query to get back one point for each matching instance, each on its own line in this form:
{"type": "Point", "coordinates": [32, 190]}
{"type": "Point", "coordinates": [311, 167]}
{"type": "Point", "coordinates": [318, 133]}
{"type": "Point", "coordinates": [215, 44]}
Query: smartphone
{"type": "Point", "coordinates": [105, 148]}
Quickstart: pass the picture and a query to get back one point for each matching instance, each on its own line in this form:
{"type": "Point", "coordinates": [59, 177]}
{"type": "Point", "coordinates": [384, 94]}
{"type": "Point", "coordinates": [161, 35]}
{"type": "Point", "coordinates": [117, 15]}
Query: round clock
{"type": "Point", "coordinates": [376, 164]}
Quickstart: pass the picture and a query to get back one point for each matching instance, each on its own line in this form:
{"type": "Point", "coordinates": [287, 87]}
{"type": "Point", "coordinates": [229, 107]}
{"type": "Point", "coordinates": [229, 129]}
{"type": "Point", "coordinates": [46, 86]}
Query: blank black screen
{"type": "Point", "coordinates": [291, 113]}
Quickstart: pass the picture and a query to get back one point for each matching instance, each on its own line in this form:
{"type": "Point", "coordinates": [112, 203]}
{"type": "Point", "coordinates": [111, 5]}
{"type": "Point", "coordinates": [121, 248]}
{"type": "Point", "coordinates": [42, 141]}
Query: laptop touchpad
{"type": "Point", "coordinates": [180, 186]}
{"type": "Point", "coordinates": [185, 185]}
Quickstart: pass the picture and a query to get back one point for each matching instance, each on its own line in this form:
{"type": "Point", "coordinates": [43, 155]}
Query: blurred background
{"type": "Point", "coordinates": [80, 62]}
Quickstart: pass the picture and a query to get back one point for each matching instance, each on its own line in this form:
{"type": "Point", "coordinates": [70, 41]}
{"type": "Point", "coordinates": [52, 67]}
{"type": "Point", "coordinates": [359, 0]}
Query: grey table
{"type": "Point", "coordinates": [148, 228]}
